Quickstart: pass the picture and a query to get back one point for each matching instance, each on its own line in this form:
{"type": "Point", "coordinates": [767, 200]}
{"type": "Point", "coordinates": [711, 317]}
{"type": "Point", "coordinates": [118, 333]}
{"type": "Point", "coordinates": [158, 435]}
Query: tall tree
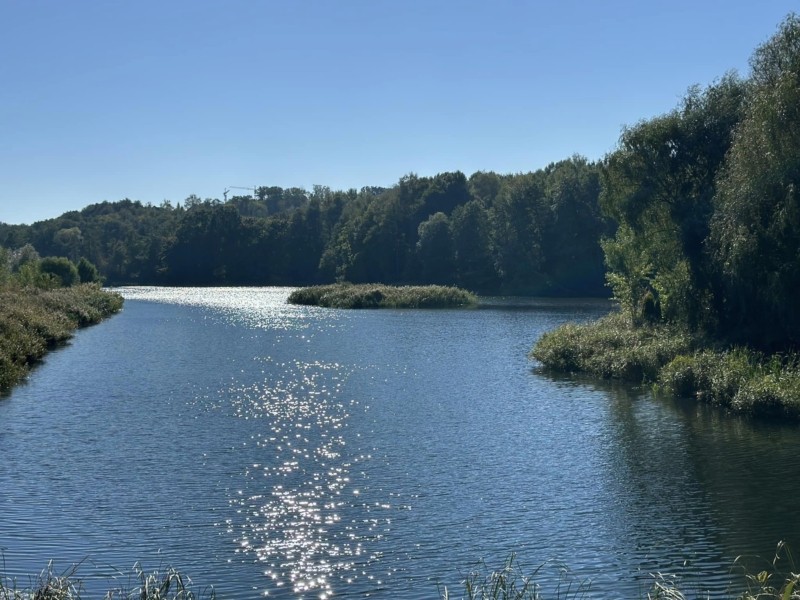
{"type": "Point", "coordinates": [756, 229]}
{"type": "Point", "coordinates": [659, 186]}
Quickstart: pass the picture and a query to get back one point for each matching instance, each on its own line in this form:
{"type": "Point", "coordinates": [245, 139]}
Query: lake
{"type": "Point", "coordinates": [283, 451]}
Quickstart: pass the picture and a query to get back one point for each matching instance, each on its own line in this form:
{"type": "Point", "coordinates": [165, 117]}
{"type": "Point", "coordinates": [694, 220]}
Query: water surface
{"type": "Point", "coordinates": [291, 451]}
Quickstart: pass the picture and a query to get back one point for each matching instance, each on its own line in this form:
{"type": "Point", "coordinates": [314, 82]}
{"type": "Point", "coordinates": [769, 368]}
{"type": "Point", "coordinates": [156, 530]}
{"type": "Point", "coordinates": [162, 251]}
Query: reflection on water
{"type": "Point", "coordinates": [294, 494]}
{"type": "Point", "coordinates": [288, 451]}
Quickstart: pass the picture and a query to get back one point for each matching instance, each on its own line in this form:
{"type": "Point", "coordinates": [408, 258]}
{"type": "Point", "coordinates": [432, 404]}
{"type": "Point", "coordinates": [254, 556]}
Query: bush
{"type": "Point", "coordinates": [87, 272]}
{"type": "Point", "coordinates": [62, 268]}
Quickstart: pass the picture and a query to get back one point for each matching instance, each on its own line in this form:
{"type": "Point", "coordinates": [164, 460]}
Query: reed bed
{"type": "Point", "coordinates": [739, 379]}
{"type": "Point", "coordinates": [167, 584]}
{"type": "Point", "coordinates": [777, 579]}
{"type": "Point", "coordinates": [33, 321]}
{"type": "Point", "coordinates": [369, 295]}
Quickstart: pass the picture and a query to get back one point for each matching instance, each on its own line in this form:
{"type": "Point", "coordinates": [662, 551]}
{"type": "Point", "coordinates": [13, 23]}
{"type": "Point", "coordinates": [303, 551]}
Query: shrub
{"type": "Point", "coordinates": [62, 268]}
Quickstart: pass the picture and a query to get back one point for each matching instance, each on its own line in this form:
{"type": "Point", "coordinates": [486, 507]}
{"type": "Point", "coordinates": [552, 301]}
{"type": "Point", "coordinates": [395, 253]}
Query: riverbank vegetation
{"type": "Point", "coordinates": [737, 378]}
{"type": "Point", "coordinates": [169, 584]}
{"type": "Point", "coordinates": [344, 295]}
{"type": "Point", "coordinates": [704, 261]}
{"type": "Point", "coordinates": [775, 581]}
{"type": "Point", "coordinates": [42, 303]}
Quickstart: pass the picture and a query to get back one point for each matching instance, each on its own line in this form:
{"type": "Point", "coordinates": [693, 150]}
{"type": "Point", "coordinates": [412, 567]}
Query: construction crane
{"type": "Point", "coordinates": [237, 187]}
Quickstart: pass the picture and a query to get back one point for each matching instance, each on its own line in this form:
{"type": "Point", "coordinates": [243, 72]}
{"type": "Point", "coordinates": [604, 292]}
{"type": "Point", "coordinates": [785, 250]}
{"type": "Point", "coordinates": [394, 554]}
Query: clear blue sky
{"type": "Point", "coordinates": [153, 100]}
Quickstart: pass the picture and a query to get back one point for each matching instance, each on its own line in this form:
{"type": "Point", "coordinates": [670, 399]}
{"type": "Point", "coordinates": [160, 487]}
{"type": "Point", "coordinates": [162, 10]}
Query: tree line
{"type": "Point", "coordinates": [531, 233]}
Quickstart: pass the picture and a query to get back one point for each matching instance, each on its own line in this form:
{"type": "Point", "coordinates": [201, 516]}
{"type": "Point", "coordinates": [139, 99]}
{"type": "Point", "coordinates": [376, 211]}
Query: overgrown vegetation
{"type": "Point", "coordinates": [704, 262]}
{"type": "Point", "coordinates": [776, 579]}
{"type": "Point", "coordinates": [169, 584]}
{"type": "Point", "coordinates": [33, 321]}
{"type": "Point", "coordinates": [42, 302]}
{"type": "Point", "coordinates": [739, 379]}
{"type": "Point", "coordinates": [344, 295]}
{"type": "Point", "coordinates": [511, 582]}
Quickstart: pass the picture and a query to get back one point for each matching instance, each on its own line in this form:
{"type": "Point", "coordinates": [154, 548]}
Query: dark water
{"type": "Point", "coordinates": [298, 452]}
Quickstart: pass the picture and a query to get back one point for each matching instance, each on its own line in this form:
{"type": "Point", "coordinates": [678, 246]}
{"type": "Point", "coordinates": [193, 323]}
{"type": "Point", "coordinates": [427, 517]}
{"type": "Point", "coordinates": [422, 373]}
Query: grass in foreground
{"type": "Point", "coordinates": [742, 380]}
{"type": "Point", "coordinates": [369, 295]}
{"type": "Point", "coordinates": [510, 582]}
{"type": "Point", "coordinates": [167, 585]}
{"type": "Point", "coordinates": [33, 320]}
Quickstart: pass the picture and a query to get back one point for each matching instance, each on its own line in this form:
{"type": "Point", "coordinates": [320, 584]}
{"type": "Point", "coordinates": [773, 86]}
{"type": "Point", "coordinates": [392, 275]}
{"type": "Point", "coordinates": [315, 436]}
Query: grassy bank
{"type": "Point", "coordinates": [742, 380]}
{"type": "Point", "coordinates": [33, 321]}
{"type": "Point", "coordinates": [345, 295]}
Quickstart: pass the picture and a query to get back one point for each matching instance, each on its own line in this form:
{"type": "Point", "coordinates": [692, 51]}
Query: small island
{"type": "Point", "coordinates": [378, 295]}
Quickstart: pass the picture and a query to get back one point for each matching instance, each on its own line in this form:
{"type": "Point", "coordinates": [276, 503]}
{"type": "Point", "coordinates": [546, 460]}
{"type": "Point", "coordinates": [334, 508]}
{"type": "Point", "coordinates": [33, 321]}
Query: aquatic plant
{"type": "Point", "coordinates": [612, 347]}
{"type": "Point", "coordinates": [169, 584]}
{"type": "Point", "coordinates": [679, 363]}
{"type": "Point", "coordinates": [510, 582]}
{"type": "Point", "coordinates": [368, 295]}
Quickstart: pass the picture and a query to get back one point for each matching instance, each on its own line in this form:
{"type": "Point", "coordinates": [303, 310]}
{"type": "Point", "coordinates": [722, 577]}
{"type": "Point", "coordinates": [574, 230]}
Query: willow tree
{"type": "Point", "coordinates": [756, 229]}
{"type": "Point", "coordinates": [659, 185]}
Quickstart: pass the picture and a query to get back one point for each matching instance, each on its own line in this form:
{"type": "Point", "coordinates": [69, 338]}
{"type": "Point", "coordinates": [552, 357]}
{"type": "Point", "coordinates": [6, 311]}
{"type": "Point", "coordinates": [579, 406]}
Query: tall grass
{"type": "Point", "coordinates": [376, 295]}
{"type": "Point", "coordinates": [612, 348]}
{"type": "Point", "coordinates": [511, 582]}
{"type": "Point", "coordinates": [738, 379]}
{"type": "Point", "coordinates": [33, 320]}
{"type": "Point", "coordinates": [773, 581]}
{"type": "Point", "coordinates": [169, 584]}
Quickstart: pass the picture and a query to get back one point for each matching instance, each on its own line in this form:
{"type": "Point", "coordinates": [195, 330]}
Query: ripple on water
{"type": "Point", "coordinates": [256, 307]}
{"type": "Point", "coordinates": [293, 508]}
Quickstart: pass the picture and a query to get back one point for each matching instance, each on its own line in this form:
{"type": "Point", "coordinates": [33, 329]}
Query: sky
{"type": "Point", "coordinates": [157, 100]}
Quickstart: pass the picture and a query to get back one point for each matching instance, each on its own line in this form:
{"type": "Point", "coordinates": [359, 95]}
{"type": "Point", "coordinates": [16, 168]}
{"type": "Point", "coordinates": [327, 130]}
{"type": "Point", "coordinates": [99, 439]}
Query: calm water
{"type": "Point", "coordinates": [299, 452]}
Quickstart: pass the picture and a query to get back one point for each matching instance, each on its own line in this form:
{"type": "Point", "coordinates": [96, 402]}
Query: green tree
{"type": "Point", "coordinates": [434, 251]}
{"type": "Point", "coordinates": [471, 234]}
{"type": "Point", "coordinates": [659, 186]}
{"type": "Point", "coordinates": [87, 272]}
{"type": "Point", "coordinates": [573, 258]}
{"type": "Point", "coordinates": [517, 219]}
{"type": "Point", "coordinates": [61, 268]}
{"type": "Point", "coordinates": [756, 229]}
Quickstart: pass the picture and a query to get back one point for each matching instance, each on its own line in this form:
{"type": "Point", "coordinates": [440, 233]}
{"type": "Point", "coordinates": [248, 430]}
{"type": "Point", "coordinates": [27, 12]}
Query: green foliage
{"type": "Point", "coordinates": [659, 186]}
{"type": "Point", "coordinates": [613, 347]}
{"type": "Point", "coordinates": [345, 295]}
{"type": "Point", "coordinates": [739, 379]}
{"type": "Point", "coordinates": [33, 320]}
{"type": "Point", "coordinates": [435, 250]}
{"type": "Point", "coordinates": [62, 269]}
{"type": "Point", "coordinates": [742, 380]}
{"type": "Point", "coordinates": [87, 272]}
{"type": "Point", "coordinates": [282, 236]}
{"type": "Point", "coordinates": [756, 228]}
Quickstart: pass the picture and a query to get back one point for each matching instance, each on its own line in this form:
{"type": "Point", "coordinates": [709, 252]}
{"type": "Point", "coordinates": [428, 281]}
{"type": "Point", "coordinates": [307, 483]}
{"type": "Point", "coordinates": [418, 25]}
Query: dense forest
{"type": "Point", "coordinates": [528, 233]}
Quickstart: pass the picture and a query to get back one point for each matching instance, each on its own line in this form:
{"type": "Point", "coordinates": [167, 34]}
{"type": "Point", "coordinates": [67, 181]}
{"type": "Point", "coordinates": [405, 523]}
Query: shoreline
{"type": "Point", "coordinates": [34, 322]}
{"type": "Point", "coordinates": [736, 378]}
